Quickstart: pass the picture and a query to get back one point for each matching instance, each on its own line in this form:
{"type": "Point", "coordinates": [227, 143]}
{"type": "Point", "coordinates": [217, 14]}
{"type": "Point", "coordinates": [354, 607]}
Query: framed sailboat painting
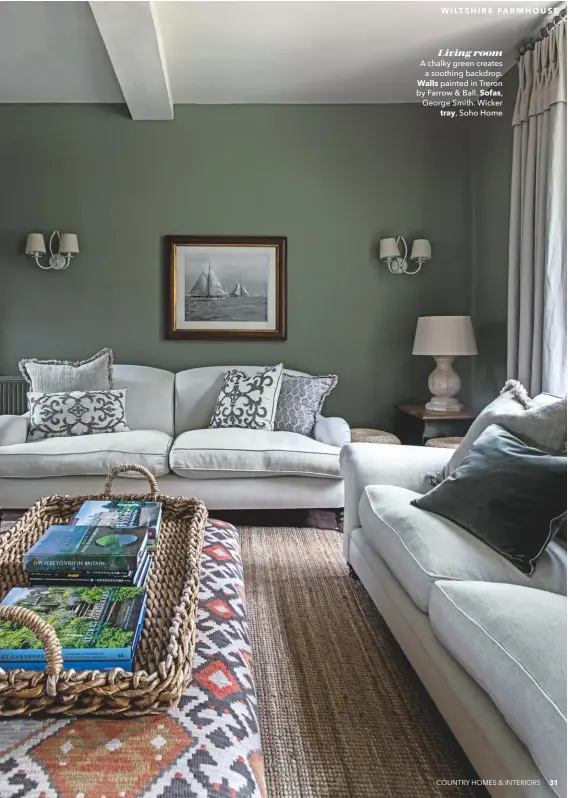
{"type": "Point", "coordinates": [231, 287]}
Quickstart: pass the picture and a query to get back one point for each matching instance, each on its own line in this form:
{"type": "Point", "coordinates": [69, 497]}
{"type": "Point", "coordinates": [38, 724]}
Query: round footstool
{"type": "Point", "coordinates": [444, 443]}
{"type": "Point", "coordinates": [364, 435]}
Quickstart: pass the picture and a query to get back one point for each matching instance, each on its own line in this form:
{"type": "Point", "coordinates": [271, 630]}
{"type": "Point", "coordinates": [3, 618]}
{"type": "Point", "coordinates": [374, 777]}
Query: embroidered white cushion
{"type": "Point", "coordinates": [62, 415]}
{"type": "Point", "coordinates": [248, 401]}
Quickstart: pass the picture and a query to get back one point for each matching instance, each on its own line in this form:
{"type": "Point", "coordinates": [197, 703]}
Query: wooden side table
{"type": "Point", "coordinates": [415, 425]}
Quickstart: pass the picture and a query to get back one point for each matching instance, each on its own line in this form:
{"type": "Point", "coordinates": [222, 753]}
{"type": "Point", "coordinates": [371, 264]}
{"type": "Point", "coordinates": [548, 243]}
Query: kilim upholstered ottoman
{"type": "Point", "coordinates": [208, 747]}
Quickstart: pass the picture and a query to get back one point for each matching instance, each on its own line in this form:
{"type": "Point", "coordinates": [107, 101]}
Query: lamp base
{"type": "Point", "coordinates": [444, 383]}
{"type": "Point", "coordinates": [441, 404]}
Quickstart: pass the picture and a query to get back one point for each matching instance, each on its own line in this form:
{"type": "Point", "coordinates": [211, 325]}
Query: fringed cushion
{"type": "Point", "coordinates": [540, 422]}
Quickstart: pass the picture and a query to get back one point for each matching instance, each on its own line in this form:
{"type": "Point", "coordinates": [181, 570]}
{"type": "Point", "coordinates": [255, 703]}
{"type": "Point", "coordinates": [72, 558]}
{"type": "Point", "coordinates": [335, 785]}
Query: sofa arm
{"type": "Point", "coordinates": [333, 431]}
{"type": "Point", "coordinates": [363, 464]}
{"type": "Point", "coordinates": [13, 429]}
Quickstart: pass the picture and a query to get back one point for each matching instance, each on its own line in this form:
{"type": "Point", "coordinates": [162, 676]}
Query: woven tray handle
{"type": "Point", "coordinates": [47, 637]}
{"type": "Point", "coordinates": [141, 470]}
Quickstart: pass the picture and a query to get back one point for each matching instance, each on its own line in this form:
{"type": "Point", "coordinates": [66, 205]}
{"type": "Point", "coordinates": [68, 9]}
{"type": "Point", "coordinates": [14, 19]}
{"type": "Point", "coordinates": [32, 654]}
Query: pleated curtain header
{"type": "Point", "coordinates": [542, 76]}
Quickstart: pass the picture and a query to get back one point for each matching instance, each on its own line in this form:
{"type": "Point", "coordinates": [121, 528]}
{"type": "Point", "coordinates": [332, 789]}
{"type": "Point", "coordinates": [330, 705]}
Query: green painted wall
{"type": "Point", "coordinates": [334, 179]}
{"type": "Point", "coordinates": [491, 141]}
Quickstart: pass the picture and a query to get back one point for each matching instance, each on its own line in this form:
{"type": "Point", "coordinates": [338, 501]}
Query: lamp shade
{"type": "Point", "coordinates": [388, 248]}
{"type": "Point", "coordinates": [441, 336]}
{"type": "Point", "coordinates": [69, 244]}
{"type": "Point", "coordinates": [35, 244]}
{"type": "Point", "coordinates": [421, 249]}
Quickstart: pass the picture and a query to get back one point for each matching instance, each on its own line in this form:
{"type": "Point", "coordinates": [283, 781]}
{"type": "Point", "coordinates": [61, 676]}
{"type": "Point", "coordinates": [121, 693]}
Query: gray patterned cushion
{"type": "Point", "coordinates": [54, 376]}
{"type": "Point", "coordinates": [61, 415]}
{"type": "Point", "coordinates": [248, 402]}
{"type": "Point", "coordinates": [301, 400]}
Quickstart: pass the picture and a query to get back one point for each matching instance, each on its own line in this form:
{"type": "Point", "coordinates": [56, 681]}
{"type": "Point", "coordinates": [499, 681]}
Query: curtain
{"type": "Point", "coordinates": [536, 345]}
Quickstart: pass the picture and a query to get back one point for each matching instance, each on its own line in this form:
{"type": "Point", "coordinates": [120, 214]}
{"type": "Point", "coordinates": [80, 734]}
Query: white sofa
{"type": "Point", "coordinates": [168, 415]}
{"type": "Point", "coordinates": [487, 641]}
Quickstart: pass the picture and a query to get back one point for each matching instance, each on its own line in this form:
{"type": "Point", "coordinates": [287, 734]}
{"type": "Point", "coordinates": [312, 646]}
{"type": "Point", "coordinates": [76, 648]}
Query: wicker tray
{"type": "Point", "coordinates": [165, 651]}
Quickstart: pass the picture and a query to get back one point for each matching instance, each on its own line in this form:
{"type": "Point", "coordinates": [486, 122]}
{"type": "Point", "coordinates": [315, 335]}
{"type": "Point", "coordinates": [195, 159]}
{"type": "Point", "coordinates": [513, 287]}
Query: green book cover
{"type": "Point", "coordinates": [116, 513]}
{"type": "Point", "coordinates": [82, 548]}
{"type": "Point", "coordinates": [92, 623]}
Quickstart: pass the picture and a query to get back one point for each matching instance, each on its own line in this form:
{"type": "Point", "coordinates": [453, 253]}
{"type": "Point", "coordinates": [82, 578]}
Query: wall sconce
{"type": "Point", "coordinates": [68, 245]}
{"type": "Point", "coordinates": [397, 261]}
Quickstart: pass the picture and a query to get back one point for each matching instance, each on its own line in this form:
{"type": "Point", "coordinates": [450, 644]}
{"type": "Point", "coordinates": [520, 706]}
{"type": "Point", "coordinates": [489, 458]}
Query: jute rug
{"type": "Point", "coordinates": [342, 713]}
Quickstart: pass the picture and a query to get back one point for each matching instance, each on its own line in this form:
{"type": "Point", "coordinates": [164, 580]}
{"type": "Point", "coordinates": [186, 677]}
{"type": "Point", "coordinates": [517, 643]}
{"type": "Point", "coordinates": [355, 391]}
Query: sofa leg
{"type": "Point", "coordinates": [339, 518]}
{"type": "Point", "coordinates": [352, 573]}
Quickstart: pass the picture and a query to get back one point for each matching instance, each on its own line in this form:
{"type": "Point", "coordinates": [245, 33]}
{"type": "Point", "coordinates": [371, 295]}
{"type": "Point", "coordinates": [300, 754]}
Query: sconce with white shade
{"type": "Point", "coordinates": [444, 338]}
{"type": "Point", "coordinates": [396, 260]}
{"type": "Point", "coordinates": [59, 255]}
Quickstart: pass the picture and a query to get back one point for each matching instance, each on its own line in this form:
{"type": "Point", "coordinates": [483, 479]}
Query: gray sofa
{"type": "Point", "coordinates": [488, 642]}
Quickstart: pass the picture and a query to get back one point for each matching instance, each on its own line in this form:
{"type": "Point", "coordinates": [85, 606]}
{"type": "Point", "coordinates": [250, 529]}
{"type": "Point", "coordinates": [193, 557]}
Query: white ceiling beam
{"type": "Point", "coordinates": [131, 34]}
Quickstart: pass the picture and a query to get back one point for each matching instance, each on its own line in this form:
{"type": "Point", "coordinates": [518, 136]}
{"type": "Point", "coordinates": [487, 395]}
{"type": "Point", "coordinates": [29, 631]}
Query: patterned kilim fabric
{"type": "Point", "coordinates": [209, 747]}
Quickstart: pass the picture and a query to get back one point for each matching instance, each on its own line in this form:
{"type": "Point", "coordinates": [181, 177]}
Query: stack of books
{"type": "Point", "coordinates": [98, 627]}
{"type": "Point", "coordinates": [106, 543]}
{"type": "Point", "coordinates": [88, 581]}
{"type": "Point", "coordinates": [89, 555]}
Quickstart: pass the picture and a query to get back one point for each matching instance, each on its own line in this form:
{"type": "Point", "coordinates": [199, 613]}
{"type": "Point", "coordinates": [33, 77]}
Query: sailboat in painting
{"type": "Point", "coordinates": [207, 286]}
{"type": "Point", "coordinates": [239, 290]}
{"type": "Point", "coordinates": [236, 305]}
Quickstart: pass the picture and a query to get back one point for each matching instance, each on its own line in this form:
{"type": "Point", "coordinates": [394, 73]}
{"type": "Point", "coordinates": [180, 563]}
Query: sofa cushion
{"type": "Point", "coordinates": [52, 376]}
{"type": "Point", "coordinates": [301, 401]}
{"type": "Point", "coordinates": [523, 490]}
{"type": "Point", "coordinates": [248, 402]}
{"type": "Point", "coordinates": [196, 392]}
{"type": "Point", "coordinates": [61, 415]}
{"type": "Point", "coordinates": [420, 548]}
{"type": "Point", "coordinates": [224, 453]}
{"type": "Point", "coordinates": [540, 421]}
{"type": "Point", "coordinates": [149, 397]}
{"type": "Point", "coordinates": [86, 454]}
{"type": "Point", "coordinates": [512, 641]}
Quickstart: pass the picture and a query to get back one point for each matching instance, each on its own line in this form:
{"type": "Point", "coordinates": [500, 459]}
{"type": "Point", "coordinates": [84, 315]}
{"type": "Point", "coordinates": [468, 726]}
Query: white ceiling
{"type": "Point", "coordinates": [322, 52]}
{"type": "Point", "coordinates": [236, 52]}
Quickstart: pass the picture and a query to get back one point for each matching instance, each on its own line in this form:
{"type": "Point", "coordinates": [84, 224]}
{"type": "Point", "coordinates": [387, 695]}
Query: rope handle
{"type": "Point", "coordinates": [141, 470]}
{"type": "Point", "coordinates": [47, 637]}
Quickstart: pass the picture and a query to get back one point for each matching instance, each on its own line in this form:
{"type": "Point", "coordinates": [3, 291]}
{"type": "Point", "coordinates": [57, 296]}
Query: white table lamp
{"type": "Point", "coordinates": [444, 338]}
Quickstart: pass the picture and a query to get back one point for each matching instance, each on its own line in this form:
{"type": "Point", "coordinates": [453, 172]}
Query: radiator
{"type": "Point", "coordinates": [13, 400]}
